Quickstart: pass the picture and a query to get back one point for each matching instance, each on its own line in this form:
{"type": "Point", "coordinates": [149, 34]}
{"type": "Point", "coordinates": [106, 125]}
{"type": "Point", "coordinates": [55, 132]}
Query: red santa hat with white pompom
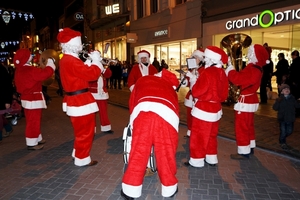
{"type": "Point", "coordinates": [69, 36]}
{"type": "Point", "coordinates": [261, 54]}
{"type": "Point", "coordinates": [143, 53]}
{"type": "Point", "coordinates": [22, 57]}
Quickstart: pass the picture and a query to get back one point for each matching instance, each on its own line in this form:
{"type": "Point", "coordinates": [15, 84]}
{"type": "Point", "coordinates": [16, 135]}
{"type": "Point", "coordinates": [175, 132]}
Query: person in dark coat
{"type": "Point", "coordinates": [286, 105]}
{"type": "Point", "coordinates": [294, 76]}
{"type": "Point", "coordinates": [282, 68]}
{"type": "Point", "coordinates": [156, 64]}
{"type": "Point", "coordinates": [6, 94]}
{"type": "Point", "coordinates": [265, 81]}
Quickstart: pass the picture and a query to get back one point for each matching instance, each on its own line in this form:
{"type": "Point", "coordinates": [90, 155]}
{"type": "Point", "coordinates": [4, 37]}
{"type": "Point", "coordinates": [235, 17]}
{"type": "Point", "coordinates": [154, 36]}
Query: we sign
{"type": "Point", "coordinates": [115, 8]}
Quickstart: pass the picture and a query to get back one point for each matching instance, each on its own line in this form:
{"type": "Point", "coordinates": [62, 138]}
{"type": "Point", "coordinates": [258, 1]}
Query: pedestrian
{"type": "Point", "coordinates": [294, 74]}
{"type": "Point", "coordinates": [282, 68]}
{"type": "Point", "coordinates": [154, 100]}
{"type": "Point", "coordinates": [78, 102]}
{"type": "Point", "coordinates": [156, 64]}
{"type": "Point", "coordinates": [209, 91]}
{"type": "Point", "coordinates": [125, 73]}
{"type": "Point", "coordinates": [142, 68]}
{"type": "Point", "coordinates": [6, 95]}
{"type": "Point", "coordinates": [286, 105]}
{"type": "Point", "coordinates": [28, 81]}
{"type": "Point", "coordinates": [190, 79]}
{"type": "Point", "coordinates": [266, 78]}
{"type": "Point", "coordinates": [99, 91]}
{"type": "Point", "coordinates": [164, 65]}
{"type": "Point", "coordinates": [248, 80]}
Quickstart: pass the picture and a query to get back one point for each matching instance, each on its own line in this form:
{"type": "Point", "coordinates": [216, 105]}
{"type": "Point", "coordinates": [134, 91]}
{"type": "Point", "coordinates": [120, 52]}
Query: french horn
{"type": "Point", "coordinates": [234, 45]}
{"type": "Point", "coordinates": [49, 53]}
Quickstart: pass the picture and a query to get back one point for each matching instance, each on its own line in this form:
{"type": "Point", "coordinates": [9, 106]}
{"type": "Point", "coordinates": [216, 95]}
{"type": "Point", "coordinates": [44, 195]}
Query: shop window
{"type": "Point", "coordinates": [140, 8]}
{"type": "Point", "coordinates": [154, 6]}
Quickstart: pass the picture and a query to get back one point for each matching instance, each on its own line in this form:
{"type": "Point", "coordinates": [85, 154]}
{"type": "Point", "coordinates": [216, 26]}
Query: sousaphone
{"type": "Point", "coordinates": [234, 45]}
{"type": "Point", "coordinates": [49, 53]}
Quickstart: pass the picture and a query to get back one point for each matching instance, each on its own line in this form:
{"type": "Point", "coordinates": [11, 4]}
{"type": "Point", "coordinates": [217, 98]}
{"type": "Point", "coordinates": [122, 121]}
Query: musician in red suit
{"type": "Point", "coordinates": [154, 118]}
{"type": "Point", "coordinates": [142, 68]}
{"type": "Point", "coordinates": [209, 91]}
{"type": "Point", "coordinates": [190, 79]}
{"type": "Point", "coordinates": [249, 81]}
{"type": "Point", "coordinates": [99, 91]}
{"type": "Point", "coordinates": [78, 102]}
{"type": "Point", "coordinates": [28, 81]}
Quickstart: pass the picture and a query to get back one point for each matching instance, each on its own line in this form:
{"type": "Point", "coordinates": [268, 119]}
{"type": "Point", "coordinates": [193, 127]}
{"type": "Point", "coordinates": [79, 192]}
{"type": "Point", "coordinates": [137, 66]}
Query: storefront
{"type": "Point", "coordinates": [280, 28]}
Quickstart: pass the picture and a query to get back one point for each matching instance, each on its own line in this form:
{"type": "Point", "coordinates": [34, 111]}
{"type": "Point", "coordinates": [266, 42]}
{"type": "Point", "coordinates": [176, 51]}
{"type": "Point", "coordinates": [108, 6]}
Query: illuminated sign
{"type": "Point", "coordinates": [274, 19]}
{"type": "Point", "coordinates": [160, 33]}
{"type": "Point", "coordinates": [78, 16]}
{"type": "Point", "coordinates": [112, 9]}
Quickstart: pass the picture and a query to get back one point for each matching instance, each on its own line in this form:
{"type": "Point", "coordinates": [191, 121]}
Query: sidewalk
{"type": "Point", "coordinates": [266, 125]}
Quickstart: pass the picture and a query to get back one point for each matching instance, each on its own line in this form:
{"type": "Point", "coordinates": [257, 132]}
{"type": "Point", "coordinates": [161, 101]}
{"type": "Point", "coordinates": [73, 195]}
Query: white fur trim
{"type": "Point", "coordinates": [228, 69]}
{"type": "Point", "coordinates": [212, 55]}
{"type": "Point", "coordinates": [143, 54]}
{"type": "Point", "coordinates": [132, 191]}
{"type": "Point", "coordinates": [211, 159]}
{"type": "Point", "coordinates": [51, 64]}
{"type": "Point", "coordinates": [252, 144]}
{"type": "Point", "coordinates": [197, 162]}
{"type": "Point", "coordinates": [106, 128]}
{"type": "Point", "coordinates": [167, 191]}
{"type": "Point", "coordinates": [101, 95]}
{"type": "Point", "coordinates": [131, 87]}
{"type": "Point", "coordinates": [244, 149]}
{"type": "Point", "coordinates": [33, 141]}
{"type": "Point", "coordinates": [246, 107]}
{"type": "Point", "coordinates": [17, 61]}
{"type": "Point", "coordinates": [188, 133]}
{"type": "Point", "coordinates": [80, 110]}
{"type": "Point", "coordinates": [189, 102]}
{"type": "Point", "coordinates": [82, 162]}
{"type": "Point", "coordinates": [206, 116]}
{"type": "Point", "coordinates": [162, 110]}
{"type": "Point", "coordinates": [33, 104]}
{"type": "Point", "coordinates": [76, 41]}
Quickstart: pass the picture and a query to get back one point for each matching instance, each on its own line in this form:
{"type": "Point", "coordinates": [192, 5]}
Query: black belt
{"type": "Point", "coordinates": [77, 92]}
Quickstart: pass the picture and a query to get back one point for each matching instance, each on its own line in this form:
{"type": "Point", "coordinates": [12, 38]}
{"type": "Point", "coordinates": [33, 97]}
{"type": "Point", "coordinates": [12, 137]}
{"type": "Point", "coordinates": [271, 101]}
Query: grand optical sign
{"type": "Point", "coordinates": [258, 20]}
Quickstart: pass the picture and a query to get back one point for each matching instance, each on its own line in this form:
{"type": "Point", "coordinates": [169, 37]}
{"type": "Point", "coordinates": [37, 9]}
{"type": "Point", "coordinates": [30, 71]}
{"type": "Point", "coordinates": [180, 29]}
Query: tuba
{"type": "Point", "coordinates": [234, 45]}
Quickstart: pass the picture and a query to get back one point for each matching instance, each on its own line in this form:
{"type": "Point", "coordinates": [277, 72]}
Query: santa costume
{"type": "Point", "coordinates": [78, 102]}
{"type": "Point", "coordinates": [191, 77]}
{"type": "Point", "coordinates": [141, 69]}
{"type": "Point", "coordinates": [28, 81]}
{"type": "Point", "coordinates": [99, 92]}
{"type": "Point", "coordinates": [209, 91]}
{"type": "Point", "coordinates": [249, 81]}
{"type": "Point", "coordinates": [154, 118]}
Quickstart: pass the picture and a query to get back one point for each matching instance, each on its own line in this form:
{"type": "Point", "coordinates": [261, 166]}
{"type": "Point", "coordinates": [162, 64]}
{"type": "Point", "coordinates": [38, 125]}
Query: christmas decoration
{"type": "Point", "coordinates": [7, 15]}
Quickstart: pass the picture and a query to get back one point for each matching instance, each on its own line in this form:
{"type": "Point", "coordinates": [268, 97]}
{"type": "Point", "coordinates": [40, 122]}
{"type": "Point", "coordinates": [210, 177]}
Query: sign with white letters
{"type": "Point", "coordinates": [112, 9]}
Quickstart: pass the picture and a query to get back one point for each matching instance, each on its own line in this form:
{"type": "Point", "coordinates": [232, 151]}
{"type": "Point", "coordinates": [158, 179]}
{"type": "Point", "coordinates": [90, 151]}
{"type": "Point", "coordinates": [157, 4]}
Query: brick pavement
{"type": "Point", "coordinates": [51, 174]}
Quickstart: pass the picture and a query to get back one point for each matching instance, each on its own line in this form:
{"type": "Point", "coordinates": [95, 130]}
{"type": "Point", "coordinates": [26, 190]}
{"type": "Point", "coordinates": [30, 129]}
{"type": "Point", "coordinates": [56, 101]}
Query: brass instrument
{"type": "Point", "coordinates": [234, 45]}
{"type": "Point", "coordinates": [49, 53]}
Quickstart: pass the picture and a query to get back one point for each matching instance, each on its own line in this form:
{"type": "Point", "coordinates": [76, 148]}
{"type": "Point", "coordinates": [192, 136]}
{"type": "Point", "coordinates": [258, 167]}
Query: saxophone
{"type": "Point", "coordinates": [234, 45]}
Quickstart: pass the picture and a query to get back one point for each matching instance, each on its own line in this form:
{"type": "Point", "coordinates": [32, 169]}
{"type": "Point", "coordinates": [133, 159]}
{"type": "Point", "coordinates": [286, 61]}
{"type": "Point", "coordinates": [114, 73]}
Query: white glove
{"type": "Point", "coordinates": [229, 66]}
{"type": "Point", "coordinates": [95, 55]}
{"type": "Point", "coordinates": [193, 78]}
{"type": "Point", "coordinates": [50, 63]}
{"type": "Point", "coordinates": [88, 62]}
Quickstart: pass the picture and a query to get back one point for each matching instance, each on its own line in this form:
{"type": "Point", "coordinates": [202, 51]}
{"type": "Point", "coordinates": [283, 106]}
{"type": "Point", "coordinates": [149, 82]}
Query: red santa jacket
{"type": "Point", "coordinates": [154, 94]}
{"type": "Point", "coordinates": [210, 89]}
{"type": "Point", "coordinates": [98, 87]}
{"type": "Point", "coordinates": [137, 72]}
{"type": "Point", "coordinates": [249, 81]}
{"type": "Point", "coordinates": [75, 75]}
{"type": "Point", "coordinates": [28, 80]}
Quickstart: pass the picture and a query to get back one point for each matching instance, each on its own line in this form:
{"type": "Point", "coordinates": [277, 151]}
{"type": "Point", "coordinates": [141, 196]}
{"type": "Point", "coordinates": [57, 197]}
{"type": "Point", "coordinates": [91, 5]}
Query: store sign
{"type": "Point", "coordinates": [78, 16]}
{"type": "Point", "coordinates": [112, 9]}
{"type": "Point", "coordinates": [161, 33]}
{"type": "Point", "coordinates": [273, 19]}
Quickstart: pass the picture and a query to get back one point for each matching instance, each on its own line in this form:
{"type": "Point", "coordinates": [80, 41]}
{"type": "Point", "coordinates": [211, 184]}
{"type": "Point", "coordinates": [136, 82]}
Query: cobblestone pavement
{"type": "Point", "coordinates": [51, 174]}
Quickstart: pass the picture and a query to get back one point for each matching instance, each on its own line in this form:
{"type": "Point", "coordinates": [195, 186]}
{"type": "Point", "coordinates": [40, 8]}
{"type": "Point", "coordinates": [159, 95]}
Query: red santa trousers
{"type": "Point", "coordinates": [203, 142]}
{"type": "Point", "coordinates": [150, 129]}
{"type": "Point", "coordinates": [33, 126]}
{"type": "Point", "coordinates": [104, 120]}
{"type": "Point", "coordinates": [84, 131]}
{"type": "Point", "coordinates": [244, 131]}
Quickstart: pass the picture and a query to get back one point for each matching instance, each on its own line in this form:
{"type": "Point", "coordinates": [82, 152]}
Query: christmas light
{"type": "Point", "coordinates": [7, 15]}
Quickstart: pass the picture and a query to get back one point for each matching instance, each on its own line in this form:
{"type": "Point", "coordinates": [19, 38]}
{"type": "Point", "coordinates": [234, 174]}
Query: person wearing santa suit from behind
{"type": "Point", "coordinates": [78, 102]}
{"type": "Point", "coordinates": [209, 91]}
{"type": "Point", "coordinates": [99, 91]}
{"type": "Point", "coordinates": [154, 101]}
{"type": "Point", "coordinates": [249, 81]}
{"type": "Point", "coordinates": [190, 79]}
{"type": "Point", "coordinates": [142, 68]}
{"type": "Point", "coordinates": [28, 81]}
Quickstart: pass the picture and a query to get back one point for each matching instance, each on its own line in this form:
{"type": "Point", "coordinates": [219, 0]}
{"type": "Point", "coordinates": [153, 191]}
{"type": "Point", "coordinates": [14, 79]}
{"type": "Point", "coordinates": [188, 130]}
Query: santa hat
{"type": "Point", "coordinates": [170, 77]}
{"type": "Point", "coordinates": [21, 57]}
{"type": "Point", "coordinates": [143, 53]}
{"type": "Point", "coordinates": [198, 53]}
{"type": "Point", "coordinates": [216, 54]}
{"type": "Point", "coordinates": [69, 36]}
{"type": "Point", "coordinates": [261, 55]}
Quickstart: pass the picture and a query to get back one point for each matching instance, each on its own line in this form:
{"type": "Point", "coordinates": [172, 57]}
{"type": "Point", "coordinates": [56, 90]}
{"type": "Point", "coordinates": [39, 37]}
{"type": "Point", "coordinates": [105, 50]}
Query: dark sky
{"type": "Point", "coordinates": [43, 11]}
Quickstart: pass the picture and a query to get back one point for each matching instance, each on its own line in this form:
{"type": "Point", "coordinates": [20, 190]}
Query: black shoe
{"type": "Point", "coordinates": [186, 136]}
{"type": "Point", "coordinates": [187, 164]}
{"type": "Point", "coordinates": [173, 195]}
{"type": "Point", "coordinates": [36, 147]}
{"type": "Point", "coordinates": [125, 196]}
{"type": "Point", "coordinates": [252, 151]}
{"type": "Point", "coordinates": [108, 132]}
{"type": "Point", "coordinates": [284, 146]}
{"type": "Point", "coordinates": [239, 156]}
{"type": "Point", "coordinates": [213, 165]}
{"type": "Point", "coordinates": [43, 141]}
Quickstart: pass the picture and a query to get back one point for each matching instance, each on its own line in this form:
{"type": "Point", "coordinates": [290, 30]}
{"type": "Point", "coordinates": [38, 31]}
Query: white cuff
{"type": "Point", "coordinates": [228, 69]}
{"type": "Point", "coordinates": [51, 64]}
{"type": "Point", "coordinates": [98, 63]}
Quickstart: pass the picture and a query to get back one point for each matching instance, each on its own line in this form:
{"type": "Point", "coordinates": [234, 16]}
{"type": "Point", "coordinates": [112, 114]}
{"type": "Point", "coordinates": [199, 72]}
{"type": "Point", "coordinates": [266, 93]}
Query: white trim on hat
{"type": "Point", "coordinates": [143, 54]}
{"type": "Point", "coordinates": [76, 41]}
{"type": "Point", "coordinates": [212, 55]}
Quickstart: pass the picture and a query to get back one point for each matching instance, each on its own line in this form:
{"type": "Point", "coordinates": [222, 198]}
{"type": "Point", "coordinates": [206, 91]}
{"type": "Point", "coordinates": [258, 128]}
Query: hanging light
{"type": "Point", "coordinates": [6, 17]}
{"type": "Point", "coordinates": [2, 45]}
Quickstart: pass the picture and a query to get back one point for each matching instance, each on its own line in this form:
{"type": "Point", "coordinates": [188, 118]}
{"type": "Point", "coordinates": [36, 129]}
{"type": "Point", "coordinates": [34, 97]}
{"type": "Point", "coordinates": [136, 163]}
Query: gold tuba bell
{"type": "Point", "coordinates": [234, 45]}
